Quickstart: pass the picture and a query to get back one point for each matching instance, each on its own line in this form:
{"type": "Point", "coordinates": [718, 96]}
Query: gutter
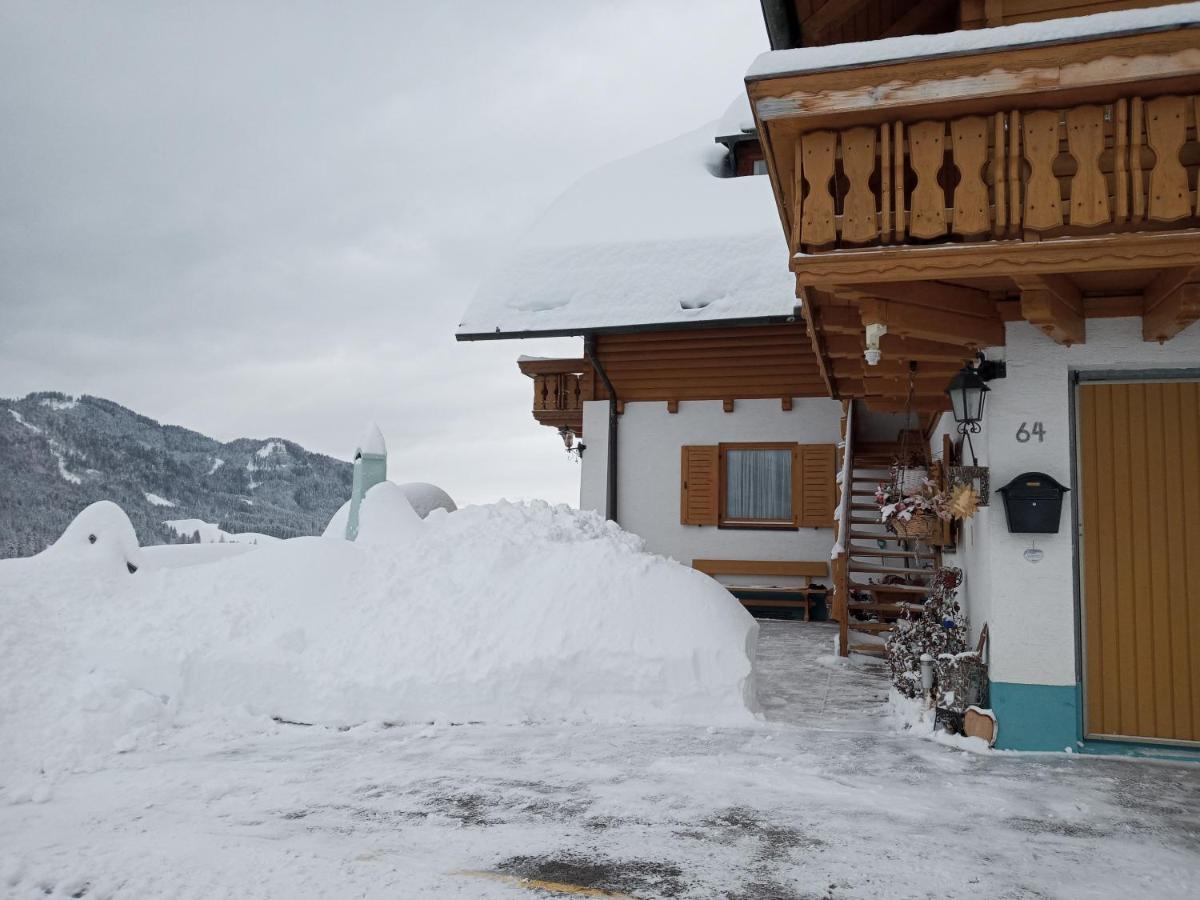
{"type": "Point", "coordinates": [610, 501]}
{"type": "Point", "coordinates": [499, 335]}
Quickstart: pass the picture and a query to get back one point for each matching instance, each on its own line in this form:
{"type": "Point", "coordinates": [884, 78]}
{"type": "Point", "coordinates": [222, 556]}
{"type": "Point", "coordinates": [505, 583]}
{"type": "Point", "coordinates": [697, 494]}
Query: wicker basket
{"type": "Point", "coordinates": [921, 527]}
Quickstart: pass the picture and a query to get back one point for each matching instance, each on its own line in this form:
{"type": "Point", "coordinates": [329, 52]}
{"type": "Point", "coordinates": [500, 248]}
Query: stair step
{"type": "Point", "coordinates": [870, 507]}
{"type": "Point", "coordinates": [894, 609]}
{"type": "Point", "coordinates": [888, 570]}
{"type": "Point", "coordinates": [857, 550]}
{"type": "Point", "coordinates": [871, 627]}
{"type": "Point", "coordinates": [888, 588]}
{"type": "Point", "coordinates": [881, 536]}
{"type": "Point", "coordinates": [878, 650]}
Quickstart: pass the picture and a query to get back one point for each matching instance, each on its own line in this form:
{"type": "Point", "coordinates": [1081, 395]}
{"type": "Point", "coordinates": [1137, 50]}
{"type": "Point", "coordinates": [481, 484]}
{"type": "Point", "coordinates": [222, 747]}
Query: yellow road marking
{"type": "Point", "coordinates": [537, 884]}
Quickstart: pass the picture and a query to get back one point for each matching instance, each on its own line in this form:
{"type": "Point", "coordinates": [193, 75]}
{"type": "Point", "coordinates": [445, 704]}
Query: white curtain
{"type": "Point", "coordinates": [758, 484]}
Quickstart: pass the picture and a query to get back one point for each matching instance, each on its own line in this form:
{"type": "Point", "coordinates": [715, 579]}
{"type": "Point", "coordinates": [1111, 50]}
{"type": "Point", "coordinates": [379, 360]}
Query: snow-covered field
{"type": "Point", "coordinates": [819, 801]}
{"type": "Point", "coordinates": [493, 702]}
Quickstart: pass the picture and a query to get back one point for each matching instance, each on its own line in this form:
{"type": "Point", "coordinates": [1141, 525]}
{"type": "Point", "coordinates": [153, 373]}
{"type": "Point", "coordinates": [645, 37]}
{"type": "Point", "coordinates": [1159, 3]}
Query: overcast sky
{"type": "Point", "coordinates": [264, 219]}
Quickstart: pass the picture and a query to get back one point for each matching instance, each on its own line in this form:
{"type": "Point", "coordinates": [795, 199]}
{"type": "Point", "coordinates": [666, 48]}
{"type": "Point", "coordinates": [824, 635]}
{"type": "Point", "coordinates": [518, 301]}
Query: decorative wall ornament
{"type": "Point", "coordinates": [975, 477]}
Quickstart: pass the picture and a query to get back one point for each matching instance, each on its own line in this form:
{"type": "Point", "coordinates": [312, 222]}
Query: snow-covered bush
{"type": "Point", "coordinates": [939, 627]}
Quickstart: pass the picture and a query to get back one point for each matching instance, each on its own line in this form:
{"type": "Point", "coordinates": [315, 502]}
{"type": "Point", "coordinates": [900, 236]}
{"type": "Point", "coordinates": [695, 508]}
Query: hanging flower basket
{"type": "Point", "coordinates": [921, 526]}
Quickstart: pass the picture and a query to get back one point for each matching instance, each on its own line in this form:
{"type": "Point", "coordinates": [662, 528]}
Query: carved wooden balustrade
{"type": "Point", "coordinates": [1096, 168]}
{"type": "Point", "coordinates": [560, 387]}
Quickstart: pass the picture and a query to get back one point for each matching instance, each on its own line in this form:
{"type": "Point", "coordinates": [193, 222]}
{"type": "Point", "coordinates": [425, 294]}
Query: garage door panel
{"type": "Point", "coordinates": [1140, 484]}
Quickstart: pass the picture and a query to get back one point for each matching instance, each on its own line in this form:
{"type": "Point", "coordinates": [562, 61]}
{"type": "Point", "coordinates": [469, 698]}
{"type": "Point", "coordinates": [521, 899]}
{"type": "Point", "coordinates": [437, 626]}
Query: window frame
{"type": "Point", "coordinates": [723, 521]}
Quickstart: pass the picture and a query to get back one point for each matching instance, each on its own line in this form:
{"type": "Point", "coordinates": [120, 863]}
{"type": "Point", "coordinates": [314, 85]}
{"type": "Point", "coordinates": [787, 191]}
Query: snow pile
{"type": "Point", "coordinates": [655, 238]}
{"type": "Point", "coordinates": [501, 613]}
{"type": "Point", "coordinates": [213, 534]}
{"type": "Point", "coordinates": [914, 715]}
{"type": "Point", "coordinates": [423, 498]}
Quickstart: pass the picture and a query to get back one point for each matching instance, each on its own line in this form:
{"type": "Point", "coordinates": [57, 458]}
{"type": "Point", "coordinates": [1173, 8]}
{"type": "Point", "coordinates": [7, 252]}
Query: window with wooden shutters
{"type": "Point", "coordinates": [699, 493]}
{"type": "Point", "coordinates": [759, 485]}
{"type": "Point", "coordinates": [818, 485]}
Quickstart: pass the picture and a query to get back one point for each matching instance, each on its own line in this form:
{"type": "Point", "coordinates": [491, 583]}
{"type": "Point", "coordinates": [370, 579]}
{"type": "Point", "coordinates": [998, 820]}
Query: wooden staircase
{"type": "Point", "coordinates": [873, 555]}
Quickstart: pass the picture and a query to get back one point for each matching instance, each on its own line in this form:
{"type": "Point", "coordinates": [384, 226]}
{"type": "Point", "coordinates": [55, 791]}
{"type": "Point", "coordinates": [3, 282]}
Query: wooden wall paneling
{"type": "Point", "coordinates": [818, 152]}
{"type": "Point", "coordinates": [898, 207]}
{"type": "Point", "coordinates": [1043, 207]}
{"type": "Point", "coordinates": [859, 221]}
{"type": "Point", "coordinates": [926, 151]}
{"type": "Point", "coordinates": [999, 179]}
{"type": "Point", "coordinates": [1121, 159]}
{"type": "Point", "coordinates": [885, 181]}
{"type": "Point", "coordinates": [797, 193]}
{"type": "Point", "coordinates": [1089, 187]}
{"type": "Point", "coordinates": [1014, 172]}
{"type": "Point", "coordinates": [970, 141]}
{"type": "Point", "coordinates": [1137, 184]}
{"type": "Point", "coordinates": [1166, 132]}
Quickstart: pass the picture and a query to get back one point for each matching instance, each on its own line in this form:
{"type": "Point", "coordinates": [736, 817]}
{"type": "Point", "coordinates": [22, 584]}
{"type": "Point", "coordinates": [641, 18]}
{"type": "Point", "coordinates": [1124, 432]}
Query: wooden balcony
{"type": "Point", "coordinates": [560, 387]}
{"type": "Point", "coordinates": [1049, 182]}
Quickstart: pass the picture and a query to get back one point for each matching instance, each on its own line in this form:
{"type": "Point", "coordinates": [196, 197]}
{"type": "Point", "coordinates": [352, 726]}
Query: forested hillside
{"type": "Point", "coordinates": [58, 454]}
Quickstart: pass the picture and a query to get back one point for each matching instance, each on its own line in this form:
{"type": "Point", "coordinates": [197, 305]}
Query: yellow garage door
{"type": "Point", "coordinates": [1139, 448]}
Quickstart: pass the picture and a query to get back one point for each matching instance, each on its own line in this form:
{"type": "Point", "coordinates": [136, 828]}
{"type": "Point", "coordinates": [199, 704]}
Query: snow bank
{"type": "Point", "coordinates": [652, 239]}
{"type": "Point", "coordinates": [422, 497]}
{"type": "Point", "coordinates": [506, 613]}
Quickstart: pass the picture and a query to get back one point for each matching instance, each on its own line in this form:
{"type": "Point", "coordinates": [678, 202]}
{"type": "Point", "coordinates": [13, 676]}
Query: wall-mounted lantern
{"type": "Point", "coordinates": [574, 448]}
{"type": "Point", "coordinates": [968, 393]}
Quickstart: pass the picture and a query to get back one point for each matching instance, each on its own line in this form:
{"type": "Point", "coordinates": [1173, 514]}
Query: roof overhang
{"type": "Point", "coordinates": [625, 329]}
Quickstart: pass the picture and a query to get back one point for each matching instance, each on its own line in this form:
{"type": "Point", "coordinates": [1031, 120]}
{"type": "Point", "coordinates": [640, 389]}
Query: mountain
{"type": "Point", "coordinates": [58, 454]}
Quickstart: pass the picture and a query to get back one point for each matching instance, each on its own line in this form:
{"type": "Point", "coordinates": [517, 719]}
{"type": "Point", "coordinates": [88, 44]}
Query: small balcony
{"type": "Point", "coordinates": [935, 187]}
{"type": "Point", "coordinates": [560, 387]}
{"type": "Point", "coordinates": [990, 167]}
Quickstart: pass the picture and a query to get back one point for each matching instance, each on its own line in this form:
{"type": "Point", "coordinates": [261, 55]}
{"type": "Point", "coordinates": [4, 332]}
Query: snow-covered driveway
{"type": "Point", "coordinates": [821, 802]}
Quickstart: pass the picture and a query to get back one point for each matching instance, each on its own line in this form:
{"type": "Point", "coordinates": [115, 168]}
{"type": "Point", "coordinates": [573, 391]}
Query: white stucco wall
{"type": "Point", "coordinates": [649, 442]}
{"type": "Point", "coordinates": [1031, 606]}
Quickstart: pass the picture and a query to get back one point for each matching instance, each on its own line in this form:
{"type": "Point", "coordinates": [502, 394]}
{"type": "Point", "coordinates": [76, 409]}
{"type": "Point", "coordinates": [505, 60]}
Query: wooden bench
{"type": "Point", "coordinates": [779, 596]}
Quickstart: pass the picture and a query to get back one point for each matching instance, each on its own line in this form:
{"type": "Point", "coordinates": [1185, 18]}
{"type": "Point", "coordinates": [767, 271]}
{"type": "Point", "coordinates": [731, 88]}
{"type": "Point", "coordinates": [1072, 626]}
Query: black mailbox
{"type": "Point", "coordinates": [1033, 503]}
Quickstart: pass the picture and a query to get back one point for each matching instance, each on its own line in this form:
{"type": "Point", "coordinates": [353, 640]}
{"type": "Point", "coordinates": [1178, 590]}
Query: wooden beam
{"type": "Point", "coordinates": [832, 13]}
{"type": "Point", "coordinates": [933, 324]}
{"type": "Point", "coordinates": [672, 406]}
{"type": "Point", "coordinates": [532, 367]}
{"type": "Point", "coordinates": [727, 405]}
{"type": "Point", "coordinates": [933, 294]}
{"type": "Point", "coordinates": [1166, 283]}
{"type": "Point", "coordinates": [809, 298]}
{"type": "Point", "coordinates": [1106, 253]}
{"type": "Point", "coordinates": [916, 18]}
{"type": "Point", "coordinates": [1048, 313]}
{"type": "Point", "coordinates": [847, 346]}
{"type": "Point", "coordinates": [1172, 314]}
{"type": "Point", "coordinates": [785, 403]}
{"type": "Point", "coordinates": [1053, 304]}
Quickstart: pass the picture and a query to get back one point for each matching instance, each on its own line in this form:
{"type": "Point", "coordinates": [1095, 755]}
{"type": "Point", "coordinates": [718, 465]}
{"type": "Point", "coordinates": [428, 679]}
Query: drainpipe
{"type": "Point", "coordinates": [610, 502]}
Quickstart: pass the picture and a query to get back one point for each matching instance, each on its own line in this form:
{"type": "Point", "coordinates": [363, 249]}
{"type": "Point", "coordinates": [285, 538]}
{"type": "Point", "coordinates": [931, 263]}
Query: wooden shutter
{"type": "Point", "coordinates": [699, 488]}
{"type": "Point", "coordinates": [817, 485]}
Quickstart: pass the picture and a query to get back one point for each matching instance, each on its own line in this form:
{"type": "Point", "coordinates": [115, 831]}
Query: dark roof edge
{"type": "Point", "coordinates": [951, 54]}
{"type": "Point", "coordinates": [625, 329]}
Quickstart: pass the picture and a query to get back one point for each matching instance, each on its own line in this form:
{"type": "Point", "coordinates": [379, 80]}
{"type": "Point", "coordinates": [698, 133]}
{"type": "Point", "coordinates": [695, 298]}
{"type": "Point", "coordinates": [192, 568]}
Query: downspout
{"type": "Point", "coordinates": [610, 502]}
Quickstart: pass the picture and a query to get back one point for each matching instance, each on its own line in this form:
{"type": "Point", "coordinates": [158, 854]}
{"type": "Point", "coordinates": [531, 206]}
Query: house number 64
{"type": "Point", "coordinates": [1024, 434]}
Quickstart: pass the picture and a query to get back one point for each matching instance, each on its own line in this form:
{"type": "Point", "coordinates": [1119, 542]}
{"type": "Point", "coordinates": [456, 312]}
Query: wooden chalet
{"type": "Point", "coordinates": [951, 181]}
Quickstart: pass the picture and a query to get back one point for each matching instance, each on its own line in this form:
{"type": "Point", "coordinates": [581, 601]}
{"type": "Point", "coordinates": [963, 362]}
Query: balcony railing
{"type": "Point", "coordinates": [1093, 138]}
{"type": "Point", "coordinates": [1094, 168]}
{"type": "Point", "coordinates": [560, 387]}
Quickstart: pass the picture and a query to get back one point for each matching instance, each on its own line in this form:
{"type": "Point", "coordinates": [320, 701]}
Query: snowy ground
{"type": "Point", "coordinates": [822, 801]}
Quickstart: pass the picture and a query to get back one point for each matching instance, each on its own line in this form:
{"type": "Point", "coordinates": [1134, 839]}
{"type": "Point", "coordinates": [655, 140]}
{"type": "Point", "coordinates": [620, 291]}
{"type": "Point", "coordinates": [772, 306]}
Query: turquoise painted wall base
{"type": "Point", "coordinates": [1048, 717]}
{"type": "Point", "coordinates": [1036, 716]}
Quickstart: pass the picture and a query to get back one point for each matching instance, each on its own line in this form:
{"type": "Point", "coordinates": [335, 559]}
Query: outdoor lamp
{"type": "Point", "coordinates": [967, 395]}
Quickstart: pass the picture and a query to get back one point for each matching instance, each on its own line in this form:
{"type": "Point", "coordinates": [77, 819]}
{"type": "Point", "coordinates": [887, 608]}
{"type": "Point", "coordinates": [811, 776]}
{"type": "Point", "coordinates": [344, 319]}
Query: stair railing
{"type": "Point", "coordinates": [840, 555]}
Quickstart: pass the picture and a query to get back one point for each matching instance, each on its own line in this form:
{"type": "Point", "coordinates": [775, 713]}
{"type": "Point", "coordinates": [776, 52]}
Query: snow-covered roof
{"type": "Point", "coordinates": [925, 46]}
{"type": "Point", "coordinates": [658, 238]}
